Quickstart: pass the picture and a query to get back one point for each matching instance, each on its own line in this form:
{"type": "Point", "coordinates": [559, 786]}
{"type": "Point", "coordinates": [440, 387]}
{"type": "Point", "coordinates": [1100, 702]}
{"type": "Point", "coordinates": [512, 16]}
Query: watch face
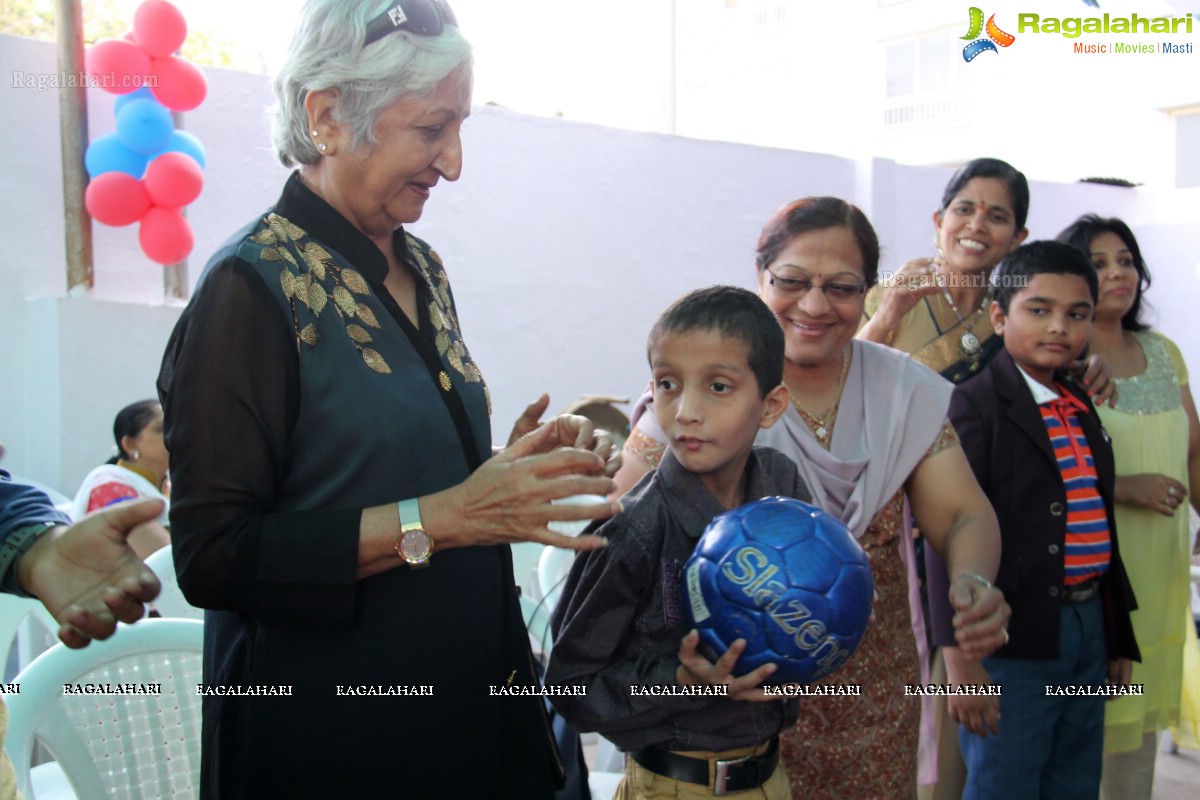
{"type": "Point", "coordinates": [416, 546]}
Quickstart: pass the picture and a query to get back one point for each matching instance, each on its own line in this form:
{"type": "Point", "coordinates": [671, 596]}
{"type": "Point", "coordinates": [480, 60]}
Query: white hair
{"type": "Point", "coordinates": [327, 52]}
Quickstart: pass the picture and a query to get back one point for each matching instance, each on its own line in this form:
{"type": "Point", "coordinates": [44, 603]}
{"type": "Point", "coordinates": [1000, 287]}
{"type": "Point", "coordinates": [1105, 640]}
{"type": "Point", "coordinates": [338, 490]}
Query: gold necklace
{"type": "Point", "coordinates": [822, 427]}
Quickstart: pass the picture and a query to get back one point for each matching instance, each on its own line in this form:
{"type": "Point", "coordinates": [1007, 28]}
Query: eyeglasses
{"type": "Point", "coordinates": [835, 291]}
{"type": "Point", "coordinates": [422, 17]}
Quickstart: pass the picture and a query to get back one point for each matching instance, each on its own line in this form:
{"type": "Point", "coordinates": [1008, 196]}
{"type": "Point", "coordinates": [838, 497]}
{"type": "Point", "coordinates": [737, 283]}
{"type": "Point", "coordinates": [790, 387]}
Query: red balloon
{"type": "Point", "coordinates": [165, 236]}
{"type": "Point", "coordinates": [159, 27]}
{"type": "Point", "coordinates": [116, 198]}
{"type": "Point", "coordinates": [173, 180]}
{"type": "Point", "coordinates": [177, 84]}
{"type": "Point", "coordinates": [119, 66]}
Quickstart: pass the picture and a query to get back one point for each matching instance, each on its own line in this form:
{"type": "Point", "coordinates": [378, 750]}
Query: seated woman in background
{"type": "Point", "coordinates": [1156, 443]}
{"type": "Point", "coordinates": [137, 471]}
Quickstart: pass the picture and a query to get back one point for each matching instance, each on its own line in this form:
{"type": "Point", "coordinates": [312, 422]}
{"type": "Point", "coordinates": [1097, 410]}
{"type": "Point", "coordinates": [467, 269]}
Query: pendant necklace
{"type": "Point", "coordinates": [822, 427]}
{"type": "Point", "coordinates": [969, 346]}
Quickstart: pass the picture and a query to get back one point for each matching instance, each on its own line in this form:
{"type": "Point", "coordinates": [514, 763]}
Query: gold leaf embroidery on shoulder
{"type": "Point", "coordinates": [344, 301]}
{"type": "Point", "coordinates": [320, 282]}
{"type": "Point", "coordinates": [436, 317]}
{"type": "Point", "coordinates": [433, 254]}
{"type": "Point", "coordinates": [317, 298]}
{"type": "Point", "coordinates": [419, 257]}
{"type": "Point", "coordinates": [443, 343]}
{"type": "Point", "coordinates": [288, 281]}
{"type": "Point", "coordinates": [456, 361]}
{"type": "Point", "coordinates": [355, 282]}
{"type": "Point", "coordinates": [367, 315]}
{"type": "Point", "coordinates": [316, 251]}
{"type": "Point", "coordinates": [284, 231]}
{"type": "Point", "coordinates": [315, 257]}
{"type": "Point", "coordinates": [375, 361]}
{"type": "Point", "coordinates": [359, 333]}
{"type": "Point", "coordinates": [302, 283]}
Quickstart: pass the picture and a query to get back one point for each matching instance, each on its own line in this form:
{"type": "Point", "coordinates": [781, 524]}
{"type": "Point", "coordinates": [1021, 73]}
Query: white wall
{"type": "Point", "coordinates": [564, 241]}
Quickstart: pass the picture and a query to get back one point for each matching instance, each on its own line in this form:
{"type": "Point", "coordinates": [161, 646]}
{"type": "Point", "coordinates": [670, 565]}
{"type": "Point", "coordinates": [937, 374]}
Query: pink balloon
{"type": "Point", "coordinates": [159, 27]}
{"type": "Point", "coordinates": [120, 67]}
{"type": "Point", "coordinates": [173, 180]}
{"type": "Point", "coordinates": [177, 84]}
{"type": "Point", "coordinates": [165, 236]}
{"type": "Point", "coordinates": [116, 198]}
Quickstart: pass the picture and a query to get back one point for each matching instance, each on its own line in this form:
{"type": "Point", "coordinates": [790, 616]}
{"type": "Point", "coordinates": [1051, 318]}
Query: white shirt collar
{"type": "Point", "coordinates": [1040, 393]}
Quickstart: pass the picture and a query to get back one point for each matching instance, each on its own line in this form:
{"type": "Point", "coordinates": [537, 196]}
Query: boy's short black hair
{"type": "Point", "coordinates": [1041, 258]}
{"type": "Point", "coordinates": [734, 313]}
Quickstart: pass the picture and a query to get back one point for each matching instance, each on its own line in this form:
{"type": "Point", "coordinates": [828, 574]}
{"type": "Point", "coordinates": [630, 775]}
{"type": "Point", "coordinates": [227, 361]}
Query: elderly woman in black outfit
{"type": "Point", "coordinates": [336, 506]}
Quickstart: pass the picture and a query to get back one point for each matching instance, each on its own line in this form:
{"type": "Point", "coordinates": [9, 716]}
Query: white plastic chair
{"type": "Point", "coordinates": [525, 557]}
{"type": "Point", "coordinates": [115, 746]}
{"type": "Point", "coordinates": [25, 623]}
{"type": "Point", "coordinates": [553, 568]}
{"type": "Point", "coordinates": [555, 562]}
{"type": "Point", "coordinates": [170, 601]}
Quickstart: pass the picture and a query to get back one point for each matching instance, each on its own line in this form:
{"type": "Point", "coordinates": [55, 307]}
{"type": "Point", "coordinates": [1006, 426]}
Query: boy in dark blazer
{"type": "Point", "coordinates": [1038, 450]}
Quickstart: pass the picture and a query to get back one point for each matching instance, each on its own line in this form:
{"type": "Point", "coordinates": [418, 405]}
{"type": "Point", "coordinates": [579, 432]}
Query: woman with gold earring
{"type": "Point", "coordinates": [138, 471]}
{"type": "Point", "coordinates": [936, 309]}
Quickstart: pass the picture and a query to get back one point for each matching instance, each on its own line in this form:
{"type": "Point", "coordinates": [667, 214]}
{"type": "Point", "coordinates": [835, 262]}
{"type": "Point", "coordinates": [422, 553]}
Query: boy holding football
{"type": "Point", "coordinates": [717, 361]}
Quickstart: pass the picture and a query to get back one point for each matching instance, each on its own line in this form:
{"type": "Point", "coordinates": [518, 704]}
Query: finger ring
{"type": "Point", "coordinates": [1170, 491]}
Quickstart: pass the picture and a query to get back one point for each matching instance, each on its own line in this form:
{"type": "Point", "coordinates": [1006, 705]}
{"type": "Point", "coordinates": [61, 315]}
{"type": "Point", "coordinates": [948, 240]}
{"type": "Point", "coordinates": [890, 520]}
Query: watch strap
{"type": "Point", "coordinates": [410, 514]}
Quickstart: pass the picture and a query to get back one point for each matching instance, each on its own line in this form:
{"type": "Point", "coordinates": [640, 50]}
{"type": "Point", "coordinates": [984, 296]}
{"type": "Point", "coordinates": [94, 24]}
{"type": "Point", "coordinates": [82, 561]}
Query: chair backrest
{"type": "Point", "coordinates": [553, 569]}
{"type": "Point", "coordinates": [26, 624]}
{"type": "Point", "coordinates": [170, 601]}
{"type": "Point", "coordinates": [127, 745]}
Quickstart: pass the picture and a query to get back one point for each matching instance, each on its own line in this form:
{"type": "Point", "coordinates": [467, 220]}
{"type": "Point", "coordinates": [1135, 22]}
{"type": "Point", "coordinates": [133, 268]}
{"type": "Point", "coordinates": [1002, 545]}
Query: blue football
{"type": "Point", "coordinates": [789, 579]}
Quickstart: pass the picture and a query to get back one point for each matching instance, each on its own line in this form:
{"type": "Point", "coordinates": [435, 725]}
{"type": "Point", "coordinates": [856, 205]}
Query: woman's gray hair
{"type": "Point", "coordinates": [327, 53]}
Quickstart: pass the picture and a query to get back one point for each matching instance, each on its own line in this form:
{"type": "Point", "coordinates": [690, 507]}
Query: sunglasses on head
{"type": "Point", "coordinates": [422, 17]}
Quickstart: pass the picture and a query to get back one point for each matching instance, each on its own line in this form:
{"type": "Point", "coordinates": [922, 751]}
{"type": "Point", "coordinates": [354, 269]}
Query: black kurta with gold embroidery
{"type": "Point", "coordinates": [296, 394]}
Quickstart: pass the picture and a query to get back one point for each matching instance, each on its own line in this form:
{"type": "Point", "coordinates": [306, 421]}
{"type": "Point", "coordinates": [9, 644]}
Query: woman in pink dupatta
{"type": "Point", "coordinates": [867, 427]}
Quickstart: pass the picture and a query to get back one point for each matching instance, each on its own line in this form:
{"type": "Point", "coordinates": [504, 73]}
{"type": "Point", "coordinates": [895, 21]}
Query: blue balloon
{"type": "Point", "coordinates": [144, 126]}
{"type": "Point", "coordinates": [186, 143]}
{"type": "Point", "coordinates": [109, 154]}
{"type": "Point", "coordinates": [143, 93]}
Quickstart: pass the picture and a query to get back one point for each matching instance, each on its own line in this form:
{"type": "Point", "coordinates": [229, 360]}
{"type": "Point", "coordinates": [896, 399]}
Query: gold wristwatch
{"type": "Point", "coordinates": [415, 546]}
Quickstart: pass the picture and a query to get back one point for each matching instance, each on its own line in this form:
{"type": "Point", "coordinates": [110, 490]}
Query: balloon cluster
{"type": "Point", "coordinates": [147, 171]}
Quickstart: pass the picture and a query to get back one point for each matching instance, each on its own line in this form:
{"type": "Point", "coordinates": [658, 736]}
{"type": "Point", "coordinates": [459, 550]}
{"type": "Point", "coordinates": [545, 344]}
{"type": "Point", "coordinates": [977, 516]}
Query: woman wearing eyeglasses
{"type": "Point", "coordinates": [868, 429]}
{"type": "Point", "coordinates": [336, 504]}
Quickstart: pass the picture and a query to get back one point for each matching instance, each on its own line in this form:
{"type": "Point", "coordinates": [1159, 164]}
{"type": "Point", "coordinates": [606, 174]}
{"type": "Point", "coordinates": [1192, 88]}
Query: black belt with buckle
{"type": "Point", "coordinates": [729, 774]}
{"type": "Point", "coordinates": [1081, 592]}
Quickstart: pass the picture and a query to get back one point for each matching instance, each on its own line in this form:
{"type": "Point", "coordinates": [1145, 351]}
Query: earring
{"type": "Point", "coordinates": [314, 133]}
{"type": "Point", "coordinates": [322, 147]}
{"type": "Point", "coordinates": [940, 257]}
{"type": "Point", "coordinates": [137, 454]}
